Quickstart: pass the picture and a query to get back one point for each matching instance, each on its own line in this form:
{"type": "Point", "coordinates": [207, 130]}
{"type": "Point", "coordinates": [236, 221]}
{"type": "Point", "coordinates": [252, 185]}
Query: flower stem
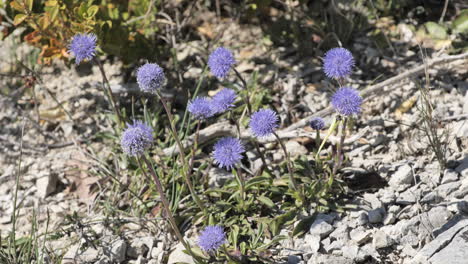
{"type": "Point", "coordinates": [290, 167]}
{"type": "Point", "coordinates": [106, 84]}
{"type": "Point", "coordinates": [165, 202]}
{"type": "Point", "coordinates": [246, 100]}
{"type": "Point", "coordinates": [241, 180]}
{"type": "Point", "coordinates": [339, 150]}
{"type": "Point", "coordinates": [181, 154]}
{"type": "Point", "coordinates": [330, 131]}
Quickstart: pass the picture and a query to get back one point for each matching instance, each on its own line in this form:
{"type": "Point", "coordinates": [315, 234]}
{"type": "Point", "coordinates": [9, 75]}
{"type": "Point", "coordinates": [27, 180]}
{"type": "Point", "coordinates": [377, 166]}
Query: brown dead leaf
{"type": "Point", "coordinates": [81, 181]}
{"type": "Point", "coordinates": [207, 30]}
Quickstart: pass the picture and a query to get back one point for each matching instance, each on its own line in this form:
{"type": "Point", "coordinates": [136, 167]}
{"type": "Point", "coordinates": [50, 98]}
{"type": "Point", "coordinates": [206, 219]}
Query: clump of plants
{"type": "Point", "coordinates": [242, 219]}
{"type": "Point", "coordinates": [124, 29]}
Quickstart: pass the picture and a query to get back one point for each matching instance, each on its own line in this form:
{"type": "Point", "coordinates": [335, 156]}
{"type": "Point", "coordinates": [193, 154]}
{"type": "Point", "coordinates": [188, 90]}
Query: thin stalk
{"type": "Point", "coordinates": [330, 131]}
{"type": "Point", "coordinates": [165, 203]}
{"type": "Point", "coordinates": [289, 165]}
{"type": "Point", "coordinates": [246, 100]}
{"type": "Point", "coordinates": [15, 200]}
{"type": "Point", "coordinates": [339, 150]}
{"type": "Point", "coordinates": [194, 147]}
{"type": "Point", "coordinates": [106, 84]}
{"type": "Point", "coordinates": [240, 178]}
{"type": "Point", "coordinates": [247, 96]}
{"type": "Point", "coordinates": [181, 153]}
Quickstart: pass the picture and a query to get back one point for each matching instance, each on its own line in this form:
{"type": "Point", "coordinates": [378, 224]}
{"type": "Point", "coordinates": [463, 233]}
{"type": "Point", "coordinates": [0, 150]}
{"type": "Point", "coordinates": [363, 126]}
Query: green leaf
{"type": "Point", "coordinates": [266, 201]}
{"type": "Point", "coordinates": [19, 18]}
{"type": "Point", "coordinates": [92, 10]}
{"type": "Point", "coordinates": [435, 30]}
{"type": "Point", "coordinates": [30, 5]}
{"type": "Point", "coordinates": [460, 24]}
{"type": "Point", "coordinates": [304, 225]}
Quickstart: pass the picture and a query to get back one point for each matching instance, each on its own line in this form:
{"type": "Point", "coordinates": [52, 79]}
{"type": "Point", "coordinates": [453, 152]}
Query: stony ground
{"type": "Point", "coordinates": [404, 207]}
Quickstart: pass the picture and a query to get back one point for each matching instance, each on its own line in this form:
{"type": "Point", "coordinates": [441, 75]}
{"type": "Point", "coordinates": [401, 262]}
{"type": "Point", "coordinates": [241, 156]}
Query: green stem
{"type": "Point", "coordinates": [107, 88]}
{"type": "Point", "coordinates": [166, 205]}
{"type": "Point", "coordinates": [183, 160]}
{"type": "Point", "coordinates": [330, 131]}
{"type": "Point", "coordinates": [339, 150]}
{"type": "Point", "coordinates": [290, 167]}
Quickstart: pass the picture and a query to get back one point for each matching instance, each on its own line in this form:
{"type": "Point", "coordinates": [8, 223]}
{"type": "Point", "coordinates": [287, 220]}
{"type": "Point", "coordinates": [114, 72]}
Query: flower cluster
{"type": "Point", "coordinates": [228, 152]}
{"type": "Point", "coordinates": [317, 123]}
{"type": "Point", "coordinates": [347, 101]}
{"type": "Point", "coordinates": [338, 63]}
{"type": "Point", "coordinates": [136, 138]}
{"type": "Point", "coordinates": [201, 108]}
{"type": "Point", "coordinates": [220, 62]}
{"type": "Point", "coordinates": [263, 123]}
{"type": "Point", "coordinates": [83, 47]}
{"type": "Point", "coordinates": [223, 100]}
{"type": "Point", "coordinates": [150, 77]}
{"type": "Point", "coordinates": [211, 238]}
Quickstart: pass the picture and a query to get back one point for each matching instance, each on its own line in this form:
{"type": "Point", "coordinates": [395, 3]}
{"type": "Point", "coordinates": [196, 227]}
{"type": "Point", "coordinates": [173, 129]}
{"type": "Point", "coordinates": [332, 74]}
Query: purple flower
{"type": "Point", "coordinates": [220, 62]}
{"type": "Point", "coordinates": [83, 46]}
{"type": "Point", "coordinates": [228, 152]}
{"type": "Point", "coordinates": [223, 100]}
{"type": "Point", "coordinates": [317, 123]}
{"type": "Point", "coordinates": [136, 138]}
{"type": "Point", "coordinates": [263, 122]}
{"type": "Point", "coordinates": [201, 108]}
{"type": "Point", "coordinates": [211, 238]}
{"type": "Point", "coordinates": [338, 63]}
{"type": "Point", "coordinates": [347, 101]}
{"type": "Point", "coordinates": [150, 77]}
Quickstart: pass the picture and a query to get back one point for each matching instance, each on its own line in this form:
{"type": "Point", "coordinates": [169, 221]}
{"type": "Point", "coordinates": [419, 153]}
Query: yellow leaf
{"type": "Point", "coordinates": [19, 18]}
{"type": "Point", "coordinates": [17, 6]}
{"type": "Point", "coordinates": [51, 3]}
{"type": "Point", "coordinates": [405, 106]}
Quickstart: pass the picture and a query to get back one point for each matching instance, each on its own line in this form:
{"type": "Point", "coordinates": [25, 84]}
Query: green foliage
{"type": "Point", "coordinates": [124, 30]}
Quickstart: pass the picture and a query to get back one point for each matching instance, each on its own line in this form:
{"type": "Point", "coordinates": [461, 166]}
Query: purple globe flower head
{"type": "Point", "coordinates": [150, 77]}
{"type": "Point", "coordinates": [220, 62]}
{"type": "Point", "coordinates": [263, 122]}
{"type": "Point", "coordinates": [228, 152]}
{"type": "Point", "coordinates": [223, 100]}
{"type": "Point", "coordinates": [136, 138]}
{"type": "Point", "coordinates": [338, 63]}
{"type": "Point", "coordinates": [83, 47]}
{"type": "Point", "coordinates": [347, 101]}
{"type": "Point", "coordinates": [211, 238]}
{"type": "Point", "coordinates": [201, 108]}
{"type": "Point", "coordinates": [317, 123]}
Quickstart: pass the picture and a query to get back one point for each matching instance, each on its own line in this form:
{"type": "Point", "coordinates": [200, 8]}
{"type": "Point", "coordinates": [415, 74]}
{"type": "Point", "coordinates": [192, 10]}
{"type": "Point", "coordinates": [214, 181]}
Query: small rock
{"type": "Point", "coordinates": [321, 228]}
{"type": "Point", "coordinates": [292, 259]}
{"type": "Point", "coordinates": [406, 198]}
{"type": "Point", "coordinates": [375, 216]}
{"type": "Point", "coordinates": [313, 241]}
{"type": "Point", "coordinates": [178, 255]}
{"type": "Point", "coordinates": [88, 255]}
{"type": "Point", "coordinates": [381, 240]}
{"type": "Point", "coordinates": [360, 235]}
{"type": "Point", "coordinates": [402, 178]}
{"type": "Point", "coordinates": [140, 247]}
{"type": "Point", "coordinates": [389, 219]}
{"type": "Point", "coordinates": [350, 251]}
{"type": "Point", "coordinates": [46, 183]}
{"type": "Point", "coordinates": [295, 149]}
{"type": "Point", "coordinates": [118, 251]}
{"type": "Point", "coordinates": [449, 176]}
{"type": "Point", "coordinates": [360, 217]}
{"type": "Point", "coordinates": [463, 167]}
{"type": "Point", "coordinates": [445, 190]}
